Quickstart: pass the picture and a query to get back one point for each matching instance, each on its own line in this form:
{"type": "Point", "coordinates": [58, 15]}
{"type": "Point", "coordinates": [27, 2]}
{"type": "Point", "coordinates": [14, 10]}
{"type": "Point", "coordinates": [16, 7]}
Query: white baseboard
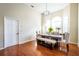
{"type": "Point", "coordinates": [22, 42]}
{"type": "Point", "coordinates": [1, 48]}
{"type": "Point", "coordinates": [78, 44]}
{"type": "Point", "coordinates": [73, 43]}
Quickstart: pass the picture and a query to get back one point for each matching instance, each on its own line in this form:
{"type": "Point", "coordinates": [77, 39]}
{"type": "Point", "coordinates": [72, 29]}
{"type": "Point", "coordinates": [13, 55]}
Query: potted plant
{"type": "Point", "coordinates": [50, 29]}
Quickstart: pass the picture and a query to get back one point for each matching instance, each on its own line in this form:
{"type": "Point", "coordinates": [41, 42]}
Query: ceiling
{"type": "Point", "coordinates": [51, 7]}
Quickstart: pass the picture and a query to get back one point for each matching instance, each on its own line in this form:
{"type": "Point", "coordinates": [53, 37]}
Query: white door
{"type": "Point", "coordinates": [10, 31]}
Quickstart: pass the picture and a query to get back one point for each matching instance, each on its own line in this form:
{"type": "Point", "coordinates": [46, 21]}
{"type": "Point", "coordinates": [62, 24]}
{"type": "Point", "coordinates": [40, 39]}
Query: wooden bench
{"type": "Point", "coordinates": [46, 42]}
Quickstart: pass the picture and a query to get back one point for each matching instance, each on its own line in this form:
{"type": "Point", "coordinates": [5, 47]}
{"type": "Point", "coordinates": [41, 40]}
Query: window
{"type": "Point", "coordinates": [56, 23]}
{"type": "Point", "coordinates": [65, 24]}
{"type": "Point", "coordinates": [47, 25]}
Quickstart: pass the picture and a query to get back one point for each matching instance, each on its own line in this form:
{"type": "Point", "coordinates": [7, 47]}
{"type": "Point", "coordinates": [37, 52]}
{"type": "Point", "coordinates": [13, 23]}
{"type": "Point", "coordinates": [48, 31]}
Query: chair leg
{"type": "Point", "coordinates": [67, 45]}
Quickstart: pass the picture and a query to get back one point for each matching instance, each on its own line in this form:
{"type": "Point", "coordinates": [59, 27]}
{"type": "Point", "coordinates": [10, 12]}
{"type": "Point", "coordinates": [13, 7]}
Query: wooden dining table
{"type": "Point", "coordinates": [58, 38]}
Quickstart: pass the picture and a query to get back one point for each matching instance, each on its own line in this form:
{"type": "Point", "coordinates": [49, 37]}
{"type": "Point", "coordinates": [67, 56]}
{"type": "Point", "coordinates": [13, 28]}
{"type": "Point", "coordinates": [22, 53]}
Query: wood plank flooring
{"type": "Point", "coordinates": [32, 49]}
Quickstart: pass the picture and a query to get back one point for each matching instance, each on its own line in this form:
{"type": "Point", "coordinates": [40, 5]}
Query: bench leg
{"type": "Point", "coordinates": [51, 46]}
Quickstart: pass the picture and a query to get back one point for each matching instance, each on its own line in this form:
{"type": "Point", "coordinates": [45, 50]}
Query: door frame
{"type": "Point", "coordinates": [4, 18]}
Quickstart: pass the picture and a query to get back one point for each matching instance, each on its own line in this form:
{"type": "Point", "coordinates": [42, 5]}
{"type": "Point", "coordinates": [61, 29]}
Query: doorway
{"type": "Point", "coordinates": [11, 31]}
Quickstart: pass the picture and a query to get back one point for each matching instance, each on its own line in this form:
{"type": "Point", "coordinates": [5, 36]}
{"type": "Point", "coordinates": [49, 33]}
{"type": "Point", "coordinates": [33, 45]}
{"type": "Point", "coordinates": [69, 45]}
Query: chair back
{"type": "Point", "coordinates": [66, 36]}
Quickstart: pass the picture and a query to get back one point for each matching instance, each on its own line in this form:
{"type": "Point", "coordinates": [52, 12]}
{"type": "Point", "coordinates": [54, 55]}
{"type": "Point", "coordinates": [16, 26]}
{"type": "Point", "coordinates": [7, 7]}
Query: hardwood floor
{"type": "Point", "coordinates": [32, 49]}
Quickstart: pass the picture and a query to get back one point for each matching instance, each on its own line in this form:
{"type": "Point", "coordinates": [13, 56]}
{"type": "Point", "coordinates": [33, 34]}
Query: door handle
{"type": "Point", "coordinates": [17, 33]}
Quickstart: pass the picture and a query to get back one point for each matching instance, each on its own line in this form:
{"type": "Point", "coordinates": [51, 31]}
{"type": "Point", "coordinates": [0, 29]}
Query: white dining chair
{"type": "Point", "coordinates": [65, 41]}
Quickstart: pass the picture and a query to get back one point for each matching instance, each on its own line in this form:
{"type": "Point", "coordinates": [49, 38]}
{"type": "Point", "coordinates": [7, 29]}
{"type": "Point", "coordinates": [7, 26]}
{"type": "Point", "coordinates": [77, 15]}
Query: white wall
{"type": "Point", "coordinates": [29, 20]}
{"type": "Point", "coordinates": [74, 23]}
{"type": "Point", "coordinates": [78, 25]}
{"type": "Point", "coordinates": [1, 33]}
{"type": "Point", "coordinates": [66, 19]}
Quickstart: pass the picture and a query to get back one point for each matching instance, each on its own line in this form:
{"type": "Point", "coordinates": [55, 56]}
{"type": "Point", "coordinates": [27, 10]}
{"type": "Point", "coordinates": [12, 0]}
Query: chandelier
{"type": "Point", "coordinates": [46, 12]}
